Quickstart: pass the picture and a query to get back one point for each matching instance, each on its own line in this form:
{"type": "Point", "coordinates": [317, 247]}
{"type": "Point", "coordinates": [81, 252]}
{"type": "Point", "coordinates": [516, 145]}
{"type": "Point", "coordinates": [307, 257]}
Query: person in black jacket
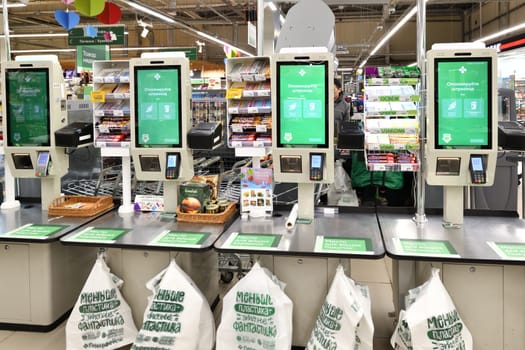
{"type": "Point", "coordinates": [342, 109]}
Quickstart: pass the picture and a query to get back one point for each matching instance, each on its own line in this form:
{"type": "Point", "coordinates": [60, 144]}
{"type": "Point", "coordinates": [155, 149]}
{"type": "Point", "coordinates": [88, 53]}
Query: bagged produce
{"type": "Point", "coordinates": [345, 319]}
{"type": "Point", "coordinates": [431, 321]}
{"type": "Point", "coordinates": [256, 314]}
{"type": "Point", "coordinates": [177, 316]}
{"type": "Point", "coordinates": [101, 318]}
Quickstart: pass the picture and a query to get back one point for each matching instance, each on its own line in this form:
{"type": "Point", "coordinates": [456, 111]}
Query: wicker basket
{"type": "Point", "coordinates": [81, 206]}
{"type": "Point", "coordinates": [219, 218]}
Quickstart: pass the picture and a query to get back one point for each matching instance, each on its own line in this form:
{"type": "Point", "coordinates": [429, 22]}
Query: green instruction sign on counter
{"type": "Point", "coordinates": [99, 234]}
{"type": "Point", "coordinates": [181, 239]}
{"type": "Point", "coordinates": [36, 231]}
{"type": "Point", "coordinates": [325, 244]}
{"type": "Point", "coordinates": [425, 247]}
{"type": "Point", "coordinates": [511, 251]}
{"type": "Point", "coordinates": [254, 241]}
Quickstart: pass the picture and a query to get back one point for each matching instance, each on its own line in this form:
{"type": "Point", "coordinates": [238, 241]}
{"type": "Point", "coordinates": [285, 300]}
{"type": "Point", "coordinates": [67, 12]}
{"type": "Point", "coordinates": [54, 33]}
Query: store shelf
{"type": "Point", "coordinates": [111, 98]}
{"type": "Point", "coordinates": [390, 119]}
{"type": "Point", "coordinates": [248, 97]}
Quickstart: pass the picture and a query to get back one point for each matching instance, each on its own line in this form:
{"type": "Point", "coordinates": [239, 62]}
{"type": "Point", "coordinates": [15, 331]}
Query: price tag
{"type": "Point", "coordinates": [103, 129]}
{"type": "Point", "coordinates": [260, 128]}
{"type": "Point", "coordinates": [234, 93]}
{"type": "Point", "coordinates": [237, 128]}
{"type": "Point", "coordinates": [98, 97]}
{"type": "Point", "coordinates": [236, 144]}
{"type": "Point", "coordinates": [258, 144]}
{"type": "Point", "coordinates": [233, 110]}
{"type": "Point", "coordinates": [249, 93]}
{"type": "Point", "coordinates": [253, 109]}
{"type": "Point", "coordinates": [118, 113]}
{"type": "Point", "coordinates": [99, 113]}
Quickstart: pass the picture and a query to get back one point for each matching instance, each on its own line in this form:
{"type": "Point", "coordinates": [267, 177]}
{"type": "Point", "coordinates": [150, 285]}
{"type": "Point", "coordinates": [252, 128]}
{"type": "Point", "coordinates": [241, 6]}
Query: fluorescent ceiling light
{"type": "Point", "coordinates": [272, 6]}
{"type": "Point", "coordinates": [42, 35]}
{"type": "Point", "coordinates": [501, 33]}
{"type": "Point", "coordinates": [16, 4]}
{"type": "Point", "coordinates": [408, 15]}
{"type": "Point", "coordinates": [43, 51]}
{"type": "Point", "coordinates": [221, 42]}
{"type": "Point", "coordinates": [150, 11]}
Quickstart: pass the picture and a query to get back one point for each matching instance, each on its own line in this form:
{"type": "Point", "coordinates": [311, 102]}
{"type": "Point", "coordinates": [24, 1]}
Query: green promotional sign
{"type": "Point", "coordinates": [303, 106]}
{"type": "Point", "coordinates": [462, 102]}
{"type": "Point", "coordinates": [28, 107]}
{"type": "Point", "coordinates": [189, 52]}
{"type": "Point", "coordinates": [513, 251]}
{"type": "Point", "coordinates": [343, 245]}
{"type": "Point", "coordinates": [176, 238]}
{"type": "Point", "coordinates": [86, 55]}
{"type": "Point", "coordinates": [158, 100]}
{"type": "Point", "coordinates": [99, 234]}
{"type": "Point", "coordinates": [255, 240]}
{"type": "Point", "coordinates": [100, 35]}
{"type": "Point", "coordinates": [36, 231]}
{"type": "Point", "coordinates": [427, 247]}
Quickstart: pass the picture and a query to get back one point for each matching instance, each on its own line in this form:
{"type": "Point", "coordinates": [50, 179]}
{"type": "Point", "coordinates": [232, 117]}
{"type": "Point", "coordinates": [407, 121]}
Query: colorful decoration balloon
{"type": "Point", "coordinates": [111, 14]}
{"type": "Point", "coordinates": [67, 19]}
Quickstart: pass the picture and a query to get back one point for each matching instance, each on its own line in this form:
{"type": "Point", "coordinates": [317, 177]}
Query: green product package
{"type": "Point", "coordinates": [193, 196]}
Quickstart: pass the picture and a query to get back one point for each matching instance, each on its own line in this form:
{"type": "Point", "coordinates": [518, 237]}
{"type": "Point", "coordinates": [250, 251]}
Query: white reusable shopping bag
{"type": "Point", "coordinates": [101, 318]}
{"type": "Point", "coordinates": [345, 319]}
{"type": "Point", "coordinates": [256, 314]}
{"type": "Point", "coordinates": [431, 320]}
{"type": "Point", "coordinates": [177, 316]}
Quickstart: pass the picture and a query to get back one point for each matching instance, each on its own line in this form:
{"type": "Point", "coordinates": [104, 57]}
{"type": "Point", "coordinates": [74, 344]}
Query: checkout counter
{"type": "Point", "coordinates": [137, 245]}
{"type": "Point", "coordinates": [41, 278]}
{"type": "Point", "coordinates": [480, 254]}
{"type": "Point", "coordinates": [303, 242]}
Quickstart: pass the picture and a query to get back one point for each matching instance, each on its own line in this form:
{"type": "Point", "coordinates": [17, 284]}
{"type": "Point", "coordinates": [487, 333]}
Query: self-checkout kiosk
{"type": "Point", "coordinates": [41, 278]}
{"type": "Point", "coordinates": [160, 106]}
{"type": "Point", "coordinates": [462, 122]}
{"type": "Point", "coordinates": [302, 124]}
{"type": "Point", "coordinates": [35, 107]}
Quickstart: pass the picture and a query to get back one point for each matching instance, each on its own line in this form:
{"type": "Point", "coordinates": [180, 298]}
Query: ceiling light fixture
{"type": "Point", "coordinates": [501, 33]}
{"type": "Point", "coordinates": [168, 19]}
{"type": "Point", "coordinates": [408, 15]}
{"type": "Point", "coordinates": [150, 11]}
{"type": "Point", "coordinates": [16, 4]}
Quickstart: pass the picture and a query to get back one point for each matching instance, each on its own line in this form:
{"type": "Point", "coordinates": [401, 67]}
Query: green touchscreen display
{"type": "Point", "coordinates": [463, 103]}
{"type": "Point", "coordinates": [302, 118]}
{"type": "Point", "coordinates": [27, 107]}
{"type": "Point", "coordinates": [158, 106]}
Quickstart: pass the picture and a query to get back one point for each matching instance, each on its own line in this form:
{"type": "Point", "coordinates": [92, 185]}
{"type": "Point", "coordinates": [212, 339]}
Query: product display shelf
{"type": "Point", "coordinates": [390, 119]}
{"type": "Point", "coordinates": [111, 110]}
{"type": "Point", "coordinates": [519, 88]}
{"type": "Point", "coordinates": [248, 97]}
{"type": "Point", "coordinates": [208, 106]}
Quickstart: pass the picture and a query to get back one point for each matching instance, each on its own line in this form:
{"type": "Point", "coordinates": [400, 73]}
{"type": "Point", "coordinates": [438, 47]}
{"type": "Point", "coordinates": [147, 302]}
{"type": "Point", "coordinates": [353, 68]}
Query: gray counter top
{"type": "Point", "coordinates": [151, 230]}
{"type": "Point", "coordinates": [338, 235]}
{"type": "Point", "coordinates": [30, 224]}
{"type": "Point", "coordinates": [482, 239]}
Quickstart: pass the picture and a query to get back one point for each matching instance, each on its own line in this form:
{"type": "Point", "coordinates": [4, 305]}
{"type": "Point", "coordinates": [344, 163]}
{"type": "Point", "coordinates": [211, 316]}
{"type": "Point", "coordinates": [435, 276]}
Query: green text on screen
{"type": "Point", "coordinates": [28, 107]}
{"type": "Point", "coordinates": [302, 105]}
{"type": "Point", "coordinates": [463, 103]}
{"type": "Point", "coordinates": [157, 107]}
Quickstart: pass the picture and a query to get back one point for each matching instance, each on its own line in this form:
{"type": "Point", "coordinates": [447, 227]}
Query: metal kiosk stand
{"type": "Point", "coordinates": [40, 277]}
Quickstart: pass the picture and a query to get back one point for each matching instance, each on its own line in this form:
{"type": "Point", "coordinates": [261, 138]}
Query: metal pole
{"type": "Point", "coordinates": [260, 27]}
{"type": "Point", "coordinates": [421, 62]}
{"type": "Point", "coordinates": [7, 43]}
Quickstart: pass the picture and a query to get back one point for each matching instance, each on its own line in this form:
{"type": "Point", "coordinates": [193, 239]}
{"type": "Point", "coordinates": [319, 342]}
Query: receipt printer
{"type": "Point", "coordinates": [205, 136]}
{"type": "Point", "coordinates": [74, 135]}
